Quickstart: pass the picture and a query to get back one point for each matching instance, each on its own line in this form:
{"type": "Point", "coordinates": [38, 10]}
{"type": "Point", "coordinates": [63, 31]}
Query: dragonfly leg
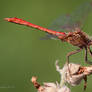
{"type": "Point", "coordinates": [71, 53]}
{"type": "Point", "coordinates": [85, 82]}
{"type": "Point", "coordinates": [86, 57]}
{"type": "Point", "coordinates": [89, 50]}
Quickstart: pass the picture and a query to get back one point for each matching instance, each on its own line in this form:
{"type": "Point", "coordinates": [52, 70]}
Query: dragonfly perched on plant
{"type": "Point", "coordinates": [67, 28]}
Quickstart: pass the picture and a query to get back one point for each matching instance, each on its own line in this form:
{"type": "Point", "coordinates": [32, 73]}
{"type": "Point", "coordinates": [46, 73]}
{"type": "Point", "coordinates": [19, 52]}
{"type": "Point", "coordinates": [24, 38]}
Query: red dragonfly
{"type": "Point", "coordinates": [72, 24]}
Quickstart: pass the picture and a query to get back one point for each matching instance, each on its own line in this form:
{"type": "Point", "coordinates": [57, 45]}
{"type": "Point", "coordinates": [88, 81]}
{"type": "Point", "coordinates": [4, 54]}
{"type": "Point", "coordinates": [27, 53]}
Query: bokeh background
{"type": "Point", "coordinates": [23, 55]}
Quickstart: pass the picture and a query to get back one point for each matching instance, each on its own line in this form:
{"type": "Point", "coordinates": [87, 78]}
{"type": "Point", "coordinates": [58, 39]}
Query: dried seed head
{"type": "Point", "coordinates": [73, 74]}
{"type": "Point", "coordinates": [70, 74]}
{"type": "Point", "coordinates": [50, 87]}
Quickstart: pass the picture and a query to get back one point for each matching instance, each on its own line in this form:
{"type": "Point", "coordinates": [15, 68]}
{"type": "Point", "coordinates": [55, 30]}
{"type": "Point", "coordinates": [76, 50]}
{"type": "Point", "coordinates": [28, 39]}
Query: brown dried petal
{"type": "Point", "coordinates": [74, 80]}
{"type": "Point", "coordinates": [74, 68]}
{"type": "Point", "coordinates": [64, 89]}
{"type": "Point", "coordinates": [88, 70]}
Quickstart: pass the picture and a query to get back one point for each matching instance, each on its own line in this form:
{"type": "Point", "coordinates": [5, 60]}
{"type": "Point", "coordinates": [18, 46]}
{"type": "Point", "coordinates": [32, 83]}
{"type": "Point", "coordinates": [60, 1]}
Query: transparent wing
{"type": "Point", "coordinates": [76, 19]}
{"type": "Point", "coordinates": [79, 16]}
{"type": "Point", "coordinates": [66, 23]}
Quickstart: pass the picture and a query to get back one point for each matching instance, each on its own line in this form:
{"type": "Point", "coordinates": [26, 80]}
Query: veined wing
{"type": "Point", "coordinates": [76, 19]}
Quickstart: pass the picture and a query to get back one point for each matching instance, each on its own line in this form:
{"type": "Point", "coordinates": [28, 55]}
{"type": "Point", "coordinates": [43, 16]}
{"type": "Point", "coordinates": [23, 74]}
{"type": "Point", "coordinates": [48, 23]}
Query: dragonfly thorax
{"type": "Point", "coordinates": [77, 38]}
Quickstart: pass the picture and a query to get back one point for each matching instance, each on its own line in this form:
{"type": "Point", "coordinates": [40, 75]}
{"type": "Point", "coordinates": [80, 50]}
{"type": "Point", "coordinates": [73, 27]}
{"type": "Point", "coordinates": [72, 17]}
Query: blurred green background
{"type": "Point", "coordinates": [23, 55]}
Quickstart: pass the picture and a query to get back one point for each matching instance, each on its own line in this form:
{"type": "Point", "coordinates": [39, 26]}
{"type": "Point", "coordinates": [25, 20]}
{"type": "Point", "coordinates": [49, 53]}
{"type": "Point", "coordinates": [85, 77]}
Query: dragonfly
{"type": "Point", "coordinates": [67, 28]}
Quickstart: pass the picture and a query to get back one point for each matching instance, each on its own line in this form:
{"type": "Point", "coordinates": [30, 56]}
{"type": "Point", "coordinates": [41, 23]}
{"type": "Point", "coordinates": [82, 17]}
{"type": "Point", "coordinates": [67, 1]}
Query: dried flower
{"type": "Point", "coordinates": [49, 87]}
{"type": "Point", "coordinates": [73, 74]}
